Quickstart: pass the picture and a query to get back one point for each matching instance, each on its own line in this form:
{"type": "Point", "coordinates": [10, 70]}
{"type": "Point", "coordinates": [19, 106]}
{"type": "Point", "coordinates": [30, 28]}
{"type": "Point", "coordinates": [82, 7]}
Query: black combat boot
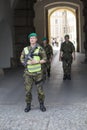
{"type": "Point", "coordinates": [49, 75]}
{"type": "Point", "coordinates": [69, 77]}
{"type": "Point", "coordinates": [42, 107]}
{"type": "Point", "coordinates": [48, 72]}
{"type": "Point", "coordinates": [28, 107]}
{"type": "Point", "coordinates": [64, 77]}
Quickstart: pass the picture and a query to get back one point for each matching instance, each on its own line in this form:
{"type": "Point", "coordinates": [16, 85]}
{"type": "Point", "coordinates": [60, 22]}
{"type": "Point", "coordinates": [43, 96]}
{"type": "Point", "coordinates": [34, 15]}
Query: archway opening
{"type": "Point", "coordinates": [62, 21]}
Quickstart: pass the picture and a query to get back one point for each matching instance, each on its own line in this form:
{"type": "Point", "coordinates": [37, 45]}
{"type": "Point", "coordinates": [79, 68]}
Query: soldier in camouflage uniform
{"type": "Point", "coordinates": [33, 72]}
{"type": "Point", "coordinates": [67, 55]}
{"type": "Point", "coordinates": [49, 53]}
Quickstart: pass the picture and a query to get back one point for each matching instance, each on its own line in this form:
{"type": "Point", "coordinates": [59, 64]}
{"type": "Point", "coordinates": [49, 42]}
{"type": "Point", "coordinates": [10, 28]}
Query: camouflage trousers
{"type": "Point", "coordinates": [67, 67]}
{"type": "Point", "coordinates": [46, 69]}
{"type": "Point", "coordinates": [29, 80]}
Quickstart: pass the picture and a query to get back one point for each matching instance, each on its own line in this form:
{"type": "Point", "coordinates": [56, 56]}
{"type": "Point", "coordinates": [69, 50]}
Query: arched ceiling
{"type": "Point", "coordinates": [13, 2]}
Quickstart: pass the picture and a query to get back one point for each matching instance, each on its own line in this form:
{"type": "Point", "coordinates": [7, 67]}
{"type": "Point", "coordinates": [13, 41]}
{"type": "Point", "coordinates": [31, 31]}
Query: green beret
{"type": "Point", "coordinates": [44, 39]}
{"type": "Point", "coordinates": [32, 34]}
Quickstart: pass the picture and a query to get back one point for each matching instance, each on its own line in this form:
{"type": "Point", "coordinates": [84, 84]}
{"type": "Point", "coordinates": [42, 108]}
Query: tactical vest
{"type": "Point", "coordinates": [36, 67]}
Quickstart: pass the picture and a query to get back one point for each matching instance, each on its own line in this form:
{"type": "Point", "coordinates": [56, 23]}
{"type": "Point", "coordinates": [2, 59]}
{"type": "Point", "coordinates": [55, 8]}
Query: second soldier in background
{"type": "Point", "coordinates": [49, 53]}
{"type": "Point", "coordinates": [67, 55]}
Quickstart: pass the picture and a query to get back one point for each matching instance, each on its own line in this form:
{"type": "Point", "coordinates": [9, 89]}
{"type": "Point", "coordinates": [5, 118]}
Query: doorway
{"type": "Point", "coordinates": [62, 21]}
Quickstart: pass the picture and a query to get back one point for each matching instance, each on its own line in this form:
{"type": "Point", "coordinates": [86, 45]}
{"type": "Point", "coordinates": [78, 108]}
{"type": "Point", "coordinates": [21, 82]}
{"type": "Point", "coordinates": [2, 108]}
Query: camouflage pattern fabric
{"type": "Point", "coordinates": [29, 80]}
{"type": "Point", "coordinates": [67, 49]}
{"type": "Point", "coordinates": [49, 52]}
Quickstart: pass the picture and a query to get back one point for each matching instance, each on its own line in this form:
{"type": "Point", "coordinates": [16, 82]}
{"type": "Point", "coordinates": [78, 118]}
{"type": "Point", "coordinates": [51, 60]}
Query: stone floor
{"type": "Point", "coordinates": [66, 101]}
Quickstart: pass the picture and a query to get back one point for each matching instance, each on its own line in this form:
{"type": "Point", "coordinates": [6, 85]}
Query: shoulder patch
{"type": "Point", "coordinates": [26, 50]}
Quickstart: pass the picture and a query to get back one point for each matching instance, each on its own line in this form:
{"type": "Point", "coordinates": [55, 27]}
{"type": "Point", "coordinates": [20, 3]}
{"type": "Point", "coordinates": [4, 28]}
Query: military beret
{"type": "Point", "coordinates": [44, 38]}
{"type": "Point", "coordinates": [32, 34]}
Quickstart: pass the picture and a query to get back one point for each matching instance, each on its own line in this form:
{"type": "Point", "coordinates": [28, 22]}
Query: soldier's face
{"type": "Point", "coordinates": [44, 42]}
{"type": "Point", "coordinates": [33, 40]}
{"type": "Point", "coordinates": [66, 39]}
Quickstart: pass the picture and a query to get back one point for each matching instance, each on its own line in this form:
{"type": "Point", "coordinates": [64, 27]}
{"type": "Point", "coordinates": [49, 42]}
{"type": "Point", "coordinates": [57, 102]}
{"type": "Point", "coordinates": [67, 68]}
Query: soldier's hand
{"type": "Point", "coordinates": [32, 62]}
{"type": "Point", "coordinates": [73, 56]}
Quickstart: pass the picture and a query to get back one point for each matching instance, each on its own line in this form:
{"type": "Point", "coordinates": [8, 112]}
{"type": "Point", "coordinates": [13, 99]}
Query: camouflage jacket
{"type": "Point", "coordinates": [49, 51]}
{"type": "Point", "coordinates": [67, 49]}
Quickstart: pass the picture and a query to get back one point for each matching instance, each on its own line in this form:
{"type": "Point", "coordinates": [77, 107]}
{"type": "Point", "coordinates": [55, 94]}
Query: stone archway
{"type": "Point", "coordinates": [41, 23]}
{"type": "Point", "coordinates": [71, 6]}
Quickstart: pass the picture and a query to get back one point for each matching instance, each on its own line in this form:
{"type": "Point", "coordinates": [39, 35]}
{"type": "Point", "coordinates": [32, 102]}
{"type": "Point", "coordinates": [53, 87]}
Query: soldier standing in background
{"type": "Point", "coordinates": [36, 56]}
{"type": "Point", "coordinates": [49, 53]}
{"type": "Point", "coordinates": [67, 55]}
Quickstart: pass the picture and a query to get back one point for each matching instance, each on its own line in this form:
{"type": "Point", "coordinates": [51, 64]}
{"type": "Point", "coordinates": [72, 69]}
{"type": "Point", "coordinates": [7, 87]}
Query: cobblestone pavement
{"type": "Point", "coordinates": [61, 117]}
{"type": "Point", "coordinates": [66, 101]}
